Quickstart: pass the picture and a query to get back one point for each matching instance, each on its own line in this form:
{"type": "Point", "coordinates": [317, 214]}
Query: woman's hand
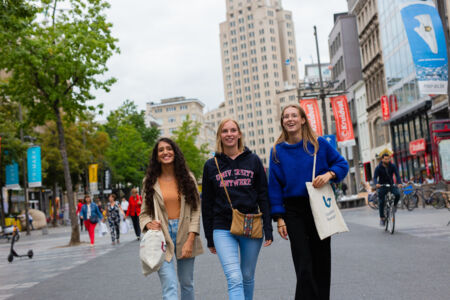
{"type": "Point", "coordinates": [212, 250]}
{"type": "Point", "coordinates": [267, 243]}
{"type": "Point", "coordinates": [153, 225]}
{"type": "Point", "coordinates": [321, 180]}
{"type": "Point", "coordinates": [282, 229]}
{"type": "Point", "coordinates": [186, 251]}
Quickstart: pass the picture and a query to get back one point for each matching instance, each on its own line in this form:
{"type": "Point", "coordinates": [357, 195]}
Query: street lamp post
{"type": "Point", "coordinates": [25, 181]}
{"type": "Point", "coordinates": [321, 91]}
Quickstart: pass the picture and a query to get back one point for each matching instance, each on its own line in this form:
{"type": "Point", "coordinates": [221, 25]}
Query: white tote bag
{"type": "Point", "coordinates": [327, 216]}
{"type": "Point", "coordinates": [123, 227]}
{"type": "Point", "coordinates": [152, 250]}
{"type": "Point", "coordinates": [102, 229]}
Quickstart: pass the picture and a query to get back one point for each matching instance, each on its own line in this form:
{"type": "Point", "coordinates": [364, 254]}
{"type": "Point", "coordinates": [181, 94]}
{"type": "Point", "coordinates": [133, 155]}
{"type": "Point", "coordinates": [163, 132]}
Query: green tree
{"type": "Point", "coordinates": [185, 136]}
{"type": "Point", "coordinates": [56, 58]}
{"type": "Point", "coordinates": [128, 155]}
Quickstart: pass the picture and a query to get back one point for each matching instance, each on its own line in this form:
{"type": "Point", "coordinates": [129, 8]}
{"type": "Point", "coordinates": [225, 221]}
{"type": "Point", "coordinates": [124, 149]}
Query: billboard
{"type": "Point", "coordinates": [34, 167]}
{"type": "Point", "coordinates": [344, 126]}
{"type": "Point", "coordinates": [427, 43]}
{"type": "Point", "coordinates": [312, 112]}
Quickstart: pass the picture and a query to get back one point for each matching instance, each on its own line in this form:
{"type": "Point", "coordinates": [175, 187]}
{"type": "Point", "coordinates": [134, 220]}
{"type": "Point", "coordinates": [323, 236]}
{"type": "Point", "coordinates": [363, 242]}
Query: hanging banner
{"type": "Point", "coordinates": [311, 109]}
{"type": "Point", "coordinates": [385, 108]}
{"type": "Point", "coordinates": [34, 167]}
{"type": "Point", "coordinates": [93, 180]}
{"type": "Point", "coordinates": [12, 176]}
{"type": "Point", "coordinates": [427, 43]}
{"type": "Point", "coordinates": [344, 126]}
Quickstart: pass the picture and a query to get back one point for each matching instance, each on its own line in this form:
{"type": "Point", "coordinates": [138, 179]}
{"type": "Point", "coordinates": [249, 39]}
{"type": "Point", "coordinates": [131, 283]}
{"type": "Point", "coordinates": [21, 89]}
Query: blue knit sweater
{"type": "Point", "coordinates": [287, 177]}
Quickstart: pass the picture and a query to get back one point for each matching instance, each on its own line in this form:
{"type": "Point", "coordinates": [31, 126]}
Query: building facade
{"type": "Point", "coordinates": [258, 59]}
{"type": "Point", "coordinates": [170, 113]}
{"type": "Point", "coordinates": [366, 12]}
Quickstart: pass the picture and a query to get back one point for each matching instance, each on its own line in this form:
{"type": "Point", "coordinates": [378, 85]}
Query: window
{"type": "Point", "coordinates": [172, 108]}
{"type": "Point", "coordinates": [171, 120]}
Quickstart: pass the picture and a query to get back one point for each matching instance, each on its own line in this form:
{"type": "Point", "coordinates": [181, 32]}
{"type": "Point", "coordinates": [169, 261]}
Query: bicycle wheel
{"type": "Point", "coordinates": [437, 200]}
{"type": "Point", "coordinates": [386, 217]}
{"type": "Point", "coordinates": [390, 222]}
{"type": "Point", "coordinates": [412, 202]}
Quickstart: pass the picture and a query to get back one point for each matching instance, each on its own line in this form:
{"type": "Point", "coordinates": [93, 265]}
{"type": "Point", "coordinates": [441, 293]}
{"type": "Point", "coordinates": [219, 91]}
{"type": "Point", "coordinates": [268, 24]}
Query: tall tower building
{"type": "Point", "coordinates": [258, 59]}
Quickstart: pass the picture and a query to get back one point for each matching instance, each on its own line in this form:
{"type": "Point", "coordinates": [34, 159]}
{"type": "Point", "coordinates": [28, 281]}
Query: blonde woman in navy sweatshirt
{"type": "Point", "coordinates": [246, 182]}
{"type": "Point", "coordinates": [291, 164]}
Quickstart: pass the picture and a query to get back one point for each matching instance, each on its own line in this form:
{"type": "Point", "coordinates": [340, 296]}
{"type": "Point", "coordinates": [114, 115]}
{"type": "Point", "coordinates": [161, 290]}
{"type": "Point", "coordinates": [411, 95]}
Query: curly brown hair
{"type": "Point", "coordinates": [185, 182]}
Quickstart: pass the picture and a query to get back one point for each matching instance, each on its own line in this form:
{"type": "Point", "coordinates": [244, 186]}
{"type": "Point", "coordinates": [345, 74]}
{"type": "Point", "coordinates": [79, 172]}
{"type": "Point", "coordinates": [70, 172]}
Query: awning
{"type": "Point", "coordinates": [409, 112]}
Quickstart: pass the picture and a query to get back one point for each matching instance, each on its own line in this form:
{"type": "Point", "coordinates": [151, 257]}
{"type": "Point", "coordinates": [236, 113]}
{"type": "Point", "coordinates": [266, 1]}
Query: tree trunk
{"type": "Point", "coordinates": [75, 236]}
{"type": "Point", "coordinates": [55, 213]}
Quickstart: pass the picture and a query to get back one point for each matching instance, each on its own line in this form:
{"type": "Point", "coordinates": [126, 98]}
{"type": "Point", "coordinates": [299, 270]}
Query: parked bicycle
{"type": "Point", "coordinates": [389, 209]}
{"type": "Point", "coordinates": [373, 200]}
{"type": "Point", "coordinates": [437, 198]}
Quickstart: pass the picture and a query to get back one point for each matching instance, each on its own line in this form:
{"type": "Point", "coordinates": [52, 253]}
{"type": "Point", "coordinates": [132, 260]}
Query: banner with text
{"type": "Point", "coordinates": [12, 176]}
{"type": "Point", "coordinates": [427, 43]}
{"type": "Point", "coordinates": [311, 109]}
{"type": "Point", "coordinates": [93, 179]}
{"type": "Point", "coordinates": [34, 167]}
{"type": "Point", "coordinates": [344, 126]}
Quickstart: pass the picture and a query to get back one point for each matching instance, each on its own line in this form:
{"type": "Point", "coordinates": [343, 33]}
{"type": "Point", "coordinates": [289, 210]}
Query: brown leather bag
{"type": "Point", "coordinates": [247, 225]}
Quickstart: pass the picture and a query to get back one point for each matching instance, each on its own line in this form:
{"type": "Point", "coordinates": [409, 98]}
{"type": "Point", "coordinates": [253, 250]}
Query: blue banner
{"type": "Point", "coordinates": [12, 176]}
{"type": "Point", "coordinates": [34, 167]}
{"type": "Point", "coordinates": [427, 43]}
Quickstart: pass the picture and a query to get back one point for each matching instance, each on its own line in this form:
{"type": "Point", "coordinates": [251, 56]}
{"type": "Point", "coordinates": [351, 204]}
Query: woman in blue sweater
{"type": "Point", "coordinates": [291, 165]}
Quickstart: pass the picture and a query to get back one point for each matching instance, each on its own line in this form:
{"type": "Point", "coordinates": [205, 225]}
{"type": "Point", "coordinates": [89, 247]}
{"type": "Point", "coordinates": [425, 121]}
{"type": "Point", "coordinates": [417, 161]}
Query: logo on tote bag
{"type": "Point", "coordinates": [326, 201]}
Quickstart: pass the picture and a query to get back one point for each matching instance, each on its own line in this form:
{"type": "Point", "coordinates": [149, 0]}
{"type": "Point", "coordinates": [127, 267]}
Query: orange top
{"type": "Point", "coordinates": [169, 190]}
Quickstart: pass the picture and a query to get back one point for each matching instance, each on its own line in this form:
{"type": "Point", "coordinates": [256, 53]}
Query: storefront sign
{"type": "Point", "coordinates": [385, 111]}
{"type": "Point", "coordinates": [444, 157]}
{"type": "Point", "coordinates": [417, 146]}
{"type": "Point", "coordinates": [427, 43]}
{"type": "Point", "coordinates": [93, 180]}
{"type": "Point", "coordinates": [312, 112]}
{"type": "Point", "coordinates": [12, 176]}
{"type": "Point", "coordinates": [34, 167]}
{"type": "Point", "coordinates": [344, 126]}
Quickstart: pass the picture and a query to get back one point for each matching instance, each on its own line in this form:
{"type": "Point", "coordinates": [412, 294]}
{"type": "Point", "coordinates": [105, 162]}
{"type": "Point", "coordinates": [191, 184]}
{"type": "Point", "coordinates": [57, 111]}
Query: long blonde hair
{"type": "Point", "coordinates": [219, 146]}
{"type": "Point", "coordinates": [308, 134]}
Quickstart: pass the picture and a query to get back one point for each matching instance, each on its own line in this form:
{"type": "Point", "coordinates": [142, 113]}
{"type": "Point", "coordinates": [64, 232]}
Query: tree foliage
{"type": "Point", "coordinates": [185, 136]}
{"type": "Point", "coordinates": [56, 58]}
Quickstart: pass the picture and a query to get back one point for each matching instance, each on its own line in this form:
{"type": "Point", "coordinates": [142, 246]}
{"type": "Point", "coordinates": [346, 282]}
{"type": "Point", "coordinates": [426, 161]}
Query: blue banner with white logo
{"type": "Point", "coordinates": [12, 176]}
{"type": "Point", "coordinates": [34, 167]}
{"type": "Point", "coordinates": [427, 43]}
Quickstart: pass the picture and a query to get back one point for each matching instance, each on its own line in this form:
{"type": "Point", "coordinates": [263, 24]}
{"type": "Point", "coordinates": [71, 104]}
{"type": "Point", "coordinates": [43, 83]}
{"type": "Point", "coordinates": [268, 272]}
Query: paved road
{"type": "Point", "coordinates": [367, 264]}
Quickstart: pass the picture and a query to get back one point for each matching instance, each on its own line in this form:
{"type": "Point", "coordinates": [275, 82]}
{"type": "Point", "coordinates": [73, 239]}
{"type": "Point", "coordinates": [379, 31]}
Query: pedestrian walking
{"type": "Point", "coordinates": [79, 206]}
{"type": "Point", "coordinates": [134, 209]}
{"type": "Point", "coordinates": [124, 205]}
{"type": "Point", "coordinates": [243, 175]}
{"type": "Point", "coordinates": [91, 216]}
{"type": "Point", "coordinates": [170, 190]}
{"type": "Point", "coordinates": [114, 219]}
{"type": "Point", "coordinates": [291, 165]}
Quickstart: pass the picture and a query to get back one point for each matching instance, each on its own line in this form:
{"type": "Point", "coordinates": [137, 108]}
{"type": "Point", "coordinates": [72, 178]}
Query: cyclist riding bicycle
{"type": "Point", "coordinates": [384, 173]}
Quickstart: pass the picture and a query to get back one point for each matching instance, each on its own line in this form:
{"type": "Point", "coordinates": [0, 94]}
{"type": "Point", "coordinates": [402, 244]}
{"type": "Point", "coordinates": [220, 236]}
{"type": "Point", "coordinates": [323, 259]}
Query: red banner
{"type": "Point", "coordinates": [385, 111]}
{"type": "Point", "coordinates": [417, 146]}
{"type": "Point", "coordinates": [344, 126]}
{"type": "Point", "coordinates": [312, 112]}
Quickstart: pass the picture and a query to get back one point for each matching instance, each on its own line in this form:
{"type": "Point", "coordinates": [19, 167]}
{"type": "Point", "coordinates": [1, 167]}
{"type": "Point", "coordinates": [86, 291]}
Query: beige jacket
{"type": "Point", "coordinates": [189, 221]}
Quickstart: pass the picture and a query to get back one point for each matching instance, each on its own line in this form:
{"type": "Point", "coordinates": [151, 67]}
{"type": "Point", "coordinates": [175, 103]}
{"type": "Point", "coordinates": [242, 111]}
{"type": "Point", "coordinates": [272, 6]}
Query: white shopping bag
{"type": "Point", "coordinates": [102, 229]}
{"type": "Point", "coordinates": [123, 227]}
{"type": "Point", "coordinates": [327, 216]}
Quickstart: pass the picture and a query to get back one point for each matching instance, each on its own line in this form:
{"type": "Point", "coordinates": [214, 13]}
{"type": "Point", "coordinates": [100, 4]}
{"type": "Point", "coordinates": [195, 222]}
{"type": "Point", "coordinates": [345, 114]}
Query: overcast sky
{"type": "Point", "coordinates": [171, 48]}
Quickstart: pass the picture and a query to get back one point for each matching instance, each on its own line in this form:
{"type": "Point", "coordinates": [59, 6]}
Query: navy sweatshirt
{"type": "Point", "coordinates": [384, 175]}
{"type": "Point", "coordinates": [246, 183]}
{"type": "Point", "coordinates": [287, 177]}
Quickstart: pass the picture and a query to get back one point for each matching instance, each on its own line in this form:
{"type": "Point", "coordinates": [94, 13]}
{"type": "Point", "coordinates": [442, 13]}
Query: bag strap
{"type": "Point", "coordinates": [156, 211]}
{"type": "Point", "coordinates": [223, 183]}
{"type": "Point", "coordinates": [314, 168]}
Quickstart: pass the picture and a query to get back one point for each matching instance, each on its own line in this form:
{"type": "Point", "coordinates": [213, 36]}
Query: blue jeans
{"type": "Point", "coordinates": [240, 275]}
{"type": "Point", "coordinates": [185, 270]}
{"type": "Point", "coordinates": [382, 191]}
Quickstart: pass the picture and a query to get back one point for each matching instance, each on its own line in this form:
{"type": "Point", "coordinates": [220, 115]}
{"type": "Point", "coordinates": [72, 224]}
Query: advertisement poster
{"type": "Point", "coordinates": [34, 167]}
{"type": "Point", "coordinates": [427, 43]}
{"type": "Point", "coordinates": [93, 180]}
{"type": "Point", "coordinates": [444, 156]}
{"type": "Point", "coordinates": [12, 176]}
{"type": "Point", "coordinates": [385, 108]}
{"type": "Point", "coordinates": [344, 126]}
{"type": "Point", "coordinates": [312, 112]}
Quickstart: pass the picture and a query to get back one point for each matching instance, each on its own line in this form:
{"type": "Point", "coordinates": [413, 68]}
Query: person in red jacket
{"type": "Point", "coordinates": [134, 209]}
{"type": "Point", "coordinates": [79, 206]}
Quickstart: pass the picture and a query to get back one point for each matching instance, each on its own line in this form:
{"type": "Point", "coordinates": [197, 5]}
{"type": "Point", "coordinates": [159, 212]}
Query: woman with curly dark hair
{"type": "Point", "coordinates": [170, 189]}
